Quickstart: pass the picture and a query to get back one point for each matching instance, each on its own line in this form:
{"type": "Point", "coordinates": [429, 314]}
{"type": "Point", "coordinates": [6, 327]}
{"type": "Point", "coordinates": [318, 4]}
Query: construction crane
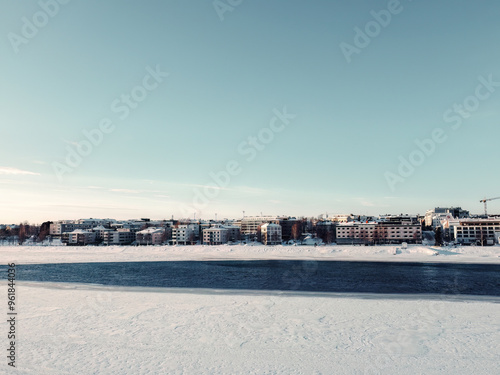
{"type": "Point", "coordinates": [485, 205]}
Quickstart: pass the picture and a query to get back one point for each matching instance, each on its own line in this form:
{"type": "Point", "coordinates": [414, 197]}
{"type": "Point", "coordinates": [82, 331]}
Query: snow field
{"type": "Point", "coordinates": [82, 329]}
{"type": "Point", "coordinates": [415, 253]}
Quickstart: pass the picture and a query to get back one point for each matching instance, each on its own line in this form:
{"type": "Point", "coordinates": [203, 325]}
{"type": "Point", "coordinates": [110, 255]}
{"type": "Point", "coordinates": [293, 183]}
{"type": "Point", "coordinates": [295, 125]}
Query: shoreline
{"type": "Point", "coordinates": [386, 253]}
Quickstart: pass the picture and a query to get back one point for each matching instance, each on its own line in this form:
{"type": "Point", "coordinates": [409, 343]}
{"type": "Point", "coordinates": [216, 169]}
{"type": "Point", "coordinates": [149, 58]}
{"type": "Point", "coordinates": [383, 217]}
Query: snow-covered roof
{"type": "Point", "coordinates": [213, 229]}
{"type": "Point", "coordinates": [151, 230]}
{"type": "Point", "coordinates": [267, 225]}
{"type": "Point", "coordinates": [357, 223]}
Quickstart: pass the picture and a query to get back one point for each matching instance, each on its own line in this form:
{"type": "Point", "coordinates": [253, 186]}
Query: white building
{"type": "Point", "coordinates": [184, 234]}
{"type": "Point", "coordinates": [150, 236]}
{"type": "Point", "coordinates": [63, 226]}
{"type": "Point", "coordinates": [59, 227]}
{"type": "Point", "coordinates": [271, 234]}
{"type": "Point", "coordinates": [477, 231]}
{"type": "Point", "coordinates": [216, 235]}
{"type": "Point", "coordinates": [340, 218]}
{"type": "Point", "coordinates": [79, 237]}
{"type": "Point", "coordinates": [250, 224]}
{"type": "Point", "coordinates": [433, 218]}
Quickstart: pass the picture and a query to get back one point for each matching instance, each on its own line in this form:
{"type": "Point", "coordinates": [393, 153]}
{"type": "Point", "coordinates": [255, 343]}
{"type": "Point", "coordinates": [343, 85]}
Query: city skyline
{"type": "Point", "coordinates": [178, 108]}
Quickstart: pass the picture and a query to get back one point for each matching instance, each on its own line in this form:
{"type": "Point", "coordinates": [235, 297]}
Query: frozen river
{"type": "Point", "coordinates": [281, 275]}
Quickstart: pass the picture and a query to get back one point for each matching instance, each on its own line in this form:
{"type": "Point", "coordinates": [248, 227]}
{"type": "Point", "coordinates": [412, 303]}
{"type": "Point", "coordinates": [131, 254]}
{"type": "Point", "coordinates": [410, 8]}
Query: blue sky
{"type": "Point", "coordinates": [352, 120]}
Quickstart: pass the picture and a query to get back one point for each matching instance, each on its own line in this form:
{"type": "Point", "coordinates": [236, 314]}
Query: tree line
{"type": "Point", "coordinates": [24, 231]}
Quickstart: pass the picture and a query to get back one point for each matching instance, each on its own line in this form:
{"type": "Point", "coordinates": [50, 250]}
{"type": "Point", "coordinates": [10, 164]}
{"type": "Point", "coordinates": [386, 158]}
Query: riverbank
{"type": "Point", "coordinates": [414, 253]}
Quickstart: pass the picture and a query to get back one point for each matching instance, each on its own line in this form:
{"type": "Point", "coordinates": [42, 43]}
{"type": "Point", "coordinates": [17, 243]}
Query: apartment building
{"type": "Point", "coordinates": [118, 237]}
{"type": "Point", "coordinates": [184, 234]}
{"type": "Point", "coordinates": [150, 236]}
{"type": "Point", "coordinates": [291, 228]}
{"type": "Point", "coordinates": [341, 218]}
{"type": "Point", "coordinates": [250, 224]}
{"type": "Point", "coordinates": [477, 231]}
{"type": "Point", "coordinates": [233, 232]}
{"type": "Point", "coordinates": [91, 223]}
{"type": "Point", "coordinates": [382, 232]}
{"type": "Point", "coordinates": [59, 227]}
{"type": "Point", "coordinates": [100, 231]}
{"type": "Point", "coordinates": [79, 237]}
{"type": "Point", "coordinates": [271, 234]}
{"type": "Point", "coordinates": [434, 217]}
{"type": "Point", "coordinates": [215, 235]}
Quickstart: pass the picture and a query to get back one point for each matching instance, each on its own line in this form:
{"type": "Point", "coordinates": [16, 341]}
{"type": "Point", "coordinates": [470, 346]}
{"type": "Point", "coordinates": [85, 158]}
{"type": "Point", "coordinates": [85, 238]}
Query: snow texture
{"type": "Point", "coordinates": [414, 253]}
{"type": "Point", "coordinates": [81, 329]}
{"type": "Point", "coordinates": [89, 329]}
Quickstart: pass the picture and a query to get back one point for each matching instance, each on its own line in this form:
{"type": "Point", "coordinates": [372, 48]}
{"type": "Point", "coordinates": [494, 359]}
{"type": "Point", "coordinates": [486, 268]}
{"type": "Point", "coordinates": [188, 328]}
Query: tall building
{"type": "Point", "coordinates": [271, 234]}
{"type": "Point", "coordinates": [250, 224]}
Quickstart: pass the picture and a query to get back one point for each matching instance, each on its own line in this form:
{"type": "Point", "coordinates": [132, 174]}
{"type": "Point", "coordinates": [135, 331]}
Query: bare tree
{"type": "Point", "coordinates": [296, 231]}
{"type": "Point", "coordinates": [22, 233]}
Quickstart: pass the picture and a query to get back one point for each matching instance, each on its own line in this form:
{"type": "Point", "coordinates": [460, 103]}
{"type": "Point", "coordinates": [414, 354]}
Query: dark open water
{"type": "Point", "coordinates": [306, 276]}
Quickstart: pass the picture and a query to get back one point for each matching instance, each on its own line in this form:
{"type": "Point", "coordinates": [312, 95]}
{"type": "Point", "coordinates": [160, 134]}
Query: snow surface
{"type": "Point", "coordinates": [415, 253]}
{"type": "Point", "coordinates": [90, 329]}
{"type": "Point", "coordinates": [82, 329]}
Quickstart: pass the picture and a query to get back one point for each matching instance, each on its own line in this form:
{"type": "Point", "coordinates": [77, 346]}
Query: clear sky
{"type": "Point", "coordinates": [335, 94]}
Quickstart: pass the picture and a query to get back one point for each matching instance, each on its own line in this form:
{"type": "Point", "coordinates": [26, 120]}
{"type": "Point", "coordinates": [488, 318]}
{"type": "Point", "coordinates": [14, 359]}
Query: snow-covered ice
{"type": "Point", "coordinates": [78, 329]}
{"type": "Point", "coordinates": [392, 253]}
{"type": "Point", "coordinates": [89, 329]}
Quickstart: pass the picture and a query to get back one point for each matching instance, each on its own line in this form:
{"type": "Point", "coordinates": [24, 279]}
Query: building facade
{"type": "Point", "coordinates": [118, 237]}
{"type": "Point", "coordinates": [250, 224]}
{"type": "Point", "coordinates": [271, 234]}
{"type": "Point", "coordinates": [216, 235]}
{"type": "Point", "coordinates": [483, 232]}
{"type": "Point", "coordinates": [383, 232]}
{"type": "Point", "coordinates": [150, 236]}
{"type": "Point", "coordinates": [184, 234]}
{"type": "Point", "coordinates": [79, 237]}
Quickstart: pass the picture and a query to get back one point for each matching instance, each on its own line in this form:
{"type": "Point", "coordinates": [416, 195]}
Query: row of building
{"type": "Point", "coordinates": [270, 230]}
{"type": "Point", "coordinates": [455, 224]}
{"type": "Point", "coordinates": [458, 226]}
